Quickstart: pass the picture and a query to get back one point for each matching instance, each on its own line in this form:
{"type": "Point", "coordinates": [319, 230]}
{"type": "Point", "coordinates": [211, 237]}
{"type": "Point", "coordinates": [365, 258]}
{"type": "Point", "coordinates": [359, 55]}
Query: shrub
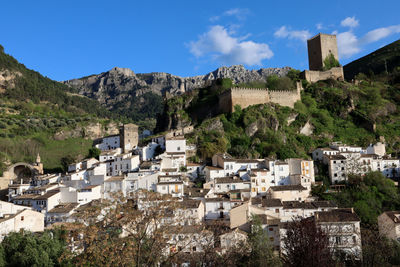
{"type": "Point", "coordinates": [330, 62]}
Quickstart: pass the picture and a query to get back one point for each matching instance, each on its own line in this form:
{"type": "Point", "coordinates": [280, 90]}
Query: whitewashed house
{"type": "Point", "coordinates": [233, 240]}
{"type": "Point", "coordinates": [141, 180]}
{"type": "Point", "coordinates": [114, 186]}
{"type": "Point", "coordinates": [26, 219]}
{"type": "Point", "coordinates": [175, 152]}
{"type": "Point", "coordinates": [226, 184]}
{"type": "Point", "coordinates": [187, 239]}
{"type": "Point", "coordinates": [109, 142]}
{"type": "Point", "coordinates": [61, 213]}
{"type": "Point", "coordinates": [147, 152]}
{"type": "Point", "coordinates": [389, 224]}
{"type": "Point", "coordinates": [124, 163]}
{"type": "Point", "coordinates": [289, 192]}
{"type": "Point", "coordinates": [109, 154]}
{"type": "Point", "coordinates": [343, 229]}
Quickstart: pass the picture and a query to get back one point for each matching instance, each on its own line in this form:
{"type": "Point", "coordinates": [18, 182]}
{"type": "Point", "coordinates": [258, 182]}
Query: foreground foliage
{"type": "Point", "coordinates": [370, 195]}
{"type": "Point", "coordinates": [29, 249]}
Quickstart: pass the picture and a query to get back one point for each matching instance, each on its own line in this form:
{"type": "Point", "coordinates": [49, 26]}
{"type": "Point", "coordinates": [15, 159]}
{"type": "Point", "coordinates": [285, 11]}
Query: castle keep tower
{"type": "Point", "coordinates": [129, 137]}
{"type": "Point", "coordinates": [319, 47]}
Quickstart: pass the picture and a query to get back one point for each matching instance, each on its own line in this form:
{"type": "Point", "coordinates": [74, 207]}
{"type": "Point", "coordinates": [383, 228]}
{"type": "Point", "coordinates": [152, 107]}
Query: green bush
{"type": "Point", "coordinates": [330, 62]}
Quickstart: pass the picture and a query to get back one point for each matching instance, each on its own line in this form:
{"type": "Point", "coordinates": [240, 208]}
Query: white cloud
{"type": "Point", "coordinates": [214, 18]}
{"type": "Point", "coordinates": [227, 49]}
{"type": "Point", "coordinates": [238, 13]}
{"type": "Point", "coordinates": [349, 44]}
{"type": "Point", "coordinates": [380, 33]}
{"type": "Point", "coordinates": [319, 26]}
{"type": "Point", "coordinates": [350, 22]}
{"type": "Point", "coordinates": [284, 32]}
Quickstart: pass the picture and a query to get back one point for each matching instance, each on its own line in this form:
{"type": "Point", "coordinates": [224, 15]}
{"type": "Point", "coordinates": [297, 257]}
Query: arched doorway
{"type": "Point", "coordinates": [20, 171]}
{"type": "Point", "coordinates": [24, 173]}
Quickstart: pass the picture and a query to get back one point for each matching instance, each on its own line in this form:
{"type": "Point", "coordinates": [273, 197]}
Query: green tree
{"type": "Point", "coordinates": [66, 161]}
{"type": "Point", "coordinates": [330, 62]}
{"type": "Point", "coordinates": [2, 257]}
{"type": "Point", "coordinates": [94, 152]}
{"type": "Point", "coordinates": [262, 253]}
{"type": "Point", "coordinates": [28, 249]}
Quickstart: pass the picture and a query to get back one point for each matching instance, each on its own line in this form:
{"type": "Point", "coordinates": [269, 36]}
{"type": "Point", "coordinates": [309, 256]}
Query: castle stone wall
{"type": "Point", "coordinates": [315, 76]}
{"type": "Point", "coordinates": [285, 98]}
{"type": "Point", "coordinates": [245, 97]}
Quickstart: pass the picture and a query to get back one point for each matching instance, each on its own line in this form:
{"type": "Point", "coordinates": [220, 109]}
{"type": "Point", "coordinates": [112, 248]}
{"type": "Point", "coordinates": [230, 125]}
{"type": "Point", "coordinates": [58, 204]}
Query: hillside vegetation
{"type": "Point", "coordinates": [334, 111]}
{"type": "Point", "coordinates": [384, 59]}
{"type": "Point", "coordinates": [33, 108]}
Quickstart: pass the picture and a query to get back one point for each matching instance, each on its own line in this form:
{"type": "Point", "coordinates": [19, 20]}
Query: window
{"type": "Point", "coordinates": [178, 148]}
{"type": "Point", "coordinates": [334, 161]}
{"type": "Point", "coordinates": [276, 210]}
{"type": "Point", "coordinates": [337, 240]}
{"type": "Point", "coordinates": [262, 180]}
{"type": "Point", "coordinates": [194, 248]}
{"type": "Point", "coordinates": [253, 190]}
{"type": "Point", "coordinates": [22, 218]}
{"type": "Point", "coordinates": [263, 189]}
{"type": "Point", "coordinates": [271, 238]}
{"type": "Point", "coordinates": [271, 229]}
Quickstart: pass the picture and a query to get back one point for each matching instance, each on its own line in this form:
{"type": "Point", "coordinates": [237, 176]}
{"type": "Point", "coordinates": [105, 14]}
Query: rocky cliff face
{"type": "Point", "coordinates": [118, 84]}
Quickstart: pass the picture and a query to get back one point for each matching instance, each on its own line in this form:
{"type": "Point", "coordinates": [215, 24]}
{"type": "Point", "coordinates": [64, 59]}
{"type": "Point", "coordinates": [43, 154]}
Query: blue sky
{"type": "Point", "coordinates": [71, 39]}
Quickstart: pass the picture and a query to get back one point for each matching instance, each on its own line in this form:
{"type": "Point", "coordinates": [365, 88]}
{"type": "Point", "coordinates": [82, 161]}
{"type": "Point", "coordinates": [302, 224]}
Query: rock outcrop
{"type": "Point", "coordinates": [90, 131]}
{"type": "Point", "coordinates": [113, 86]}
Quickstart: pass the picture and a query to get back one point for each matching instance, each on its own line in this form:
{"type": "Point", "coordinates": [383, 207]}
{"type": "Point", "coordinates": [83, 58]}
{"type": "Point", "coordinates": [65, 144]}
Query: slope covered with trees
{"type": "Point", "coordinates": [328, 111]}
{"type": "Point", "coordinates": [34, 108]}
{"type": "Point", "coordinates": [385, 59]}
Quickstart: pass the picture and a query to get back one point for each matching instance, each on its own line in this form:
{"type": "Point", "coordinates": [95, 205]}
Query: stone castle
{"type": "Point", "coordinates": [319, 48]}
{"type": "Point", "coordinates": [245, 97]}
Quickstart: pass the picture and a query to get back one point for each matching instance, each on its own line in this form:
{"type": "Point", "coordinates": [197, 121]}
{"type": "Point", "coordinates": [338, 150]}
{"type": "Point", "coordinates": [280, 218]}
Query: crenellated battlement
{"type": "Point", "coordinates": [249, 89]}
{"type": "Point", "coordinates": [244, 97]}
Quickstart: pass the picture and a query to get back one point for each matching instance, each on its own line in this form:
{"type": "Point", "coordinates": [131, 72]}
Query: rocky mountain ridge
{"type": "Point", "coordinates": [118, 84]}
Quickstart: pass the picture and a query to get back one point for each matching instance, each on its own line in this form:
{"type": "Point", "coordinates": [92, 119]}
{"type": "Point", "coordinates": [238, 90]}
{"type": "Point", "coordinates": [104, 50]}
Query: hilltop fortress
{"type": "Point", "coordinates": [245, 97]}
{"type": "Point", "coordinates": [320, 48]}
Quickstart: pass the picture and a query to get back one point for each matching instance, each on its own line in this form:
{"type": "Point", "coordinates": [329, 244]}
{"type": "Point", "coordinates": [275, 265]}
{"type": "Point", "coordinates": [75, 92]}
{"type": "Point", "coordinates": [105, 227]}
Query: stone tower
{"type": "Point", "coordinates": [129, 137]}
{"type": "Point", "coordinates": [319, 47]}
{"type": "Point", "coordinates": [38, 165]}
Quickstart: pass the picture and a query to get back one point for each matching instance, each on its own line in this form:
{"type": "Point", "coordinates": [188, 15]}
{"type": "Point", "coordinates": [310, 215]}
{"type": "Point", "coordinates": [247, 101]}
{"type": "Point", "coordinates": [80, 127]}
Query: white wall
{"type": "Point", "coordinates": [108, 143]}
{"type": "Point", "coordinates": [175, 145]}
{"type": "Point", "coordinates": [147, 152]}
